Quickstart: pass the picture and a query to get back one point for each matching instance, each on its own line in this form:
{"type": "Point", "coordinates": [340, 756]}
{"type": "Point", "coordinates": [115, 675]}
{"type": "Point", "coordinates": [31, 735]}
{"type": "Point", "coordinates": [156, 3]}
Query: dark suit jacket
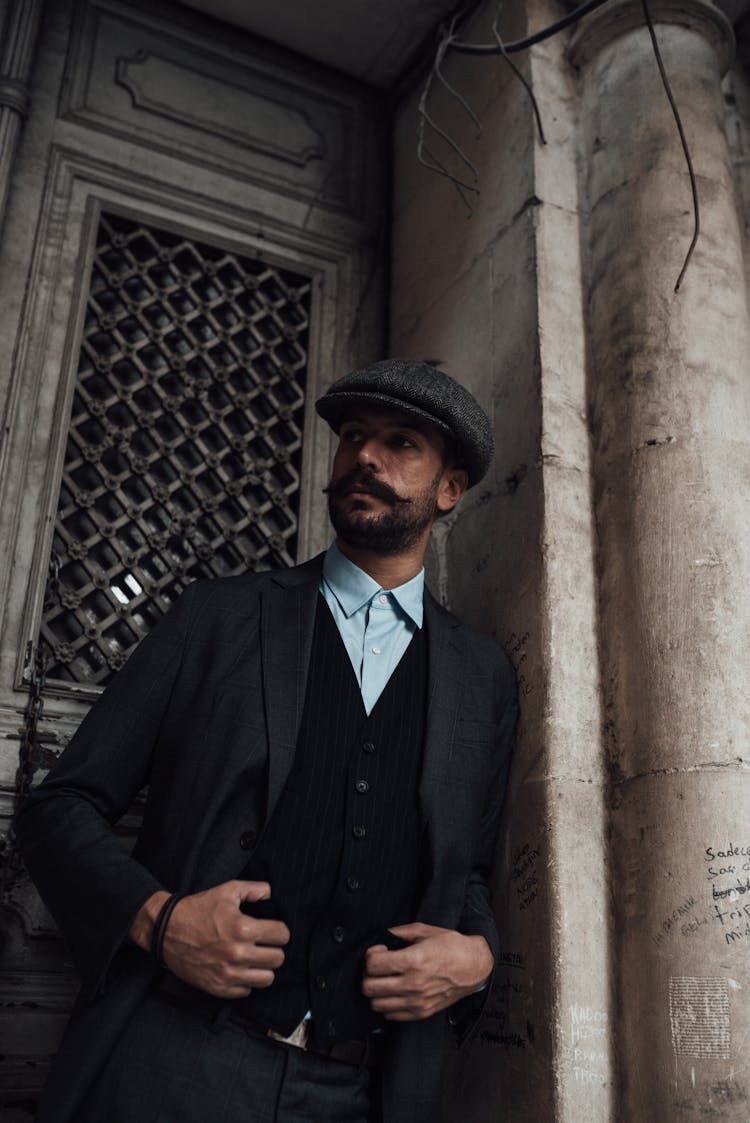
{"type": "Point", "coordinates": [206, 713]}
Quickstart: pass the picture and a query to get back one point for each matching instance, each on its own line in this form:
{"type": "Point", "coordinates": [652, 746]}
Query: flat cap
{"type": "Point", "coordinates": [418, 388]}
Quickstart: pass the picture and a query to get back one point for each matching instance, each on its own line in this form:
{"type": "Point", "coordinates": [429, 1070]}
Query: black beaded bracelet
{"type": "Point", "coordinates": [160, 926]}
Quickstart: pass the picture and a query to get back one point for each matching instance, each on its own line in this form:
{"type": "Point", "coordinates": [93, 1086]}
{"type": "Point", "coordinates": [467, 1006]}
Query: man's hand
{"type": "Point", "coordinates": [211, 945]}
{"type": "Point", "coordinates": [439, 967]}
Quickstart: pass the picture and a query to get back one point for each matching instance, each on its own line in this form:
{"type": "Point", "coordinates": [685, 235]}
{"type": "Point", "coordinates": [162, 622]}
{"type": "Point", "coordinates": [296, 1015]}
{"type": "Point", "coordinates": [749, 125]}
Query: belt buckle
{"type": "Point", "coordinates": [299, 1037]}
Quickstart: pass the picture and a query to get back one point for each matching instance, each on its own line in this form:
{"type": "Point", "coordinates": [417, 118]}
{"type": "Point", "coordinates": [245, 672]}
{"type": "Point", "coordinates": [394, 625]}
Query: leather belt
{"type": "Point", "coordinates": [348, 1052]}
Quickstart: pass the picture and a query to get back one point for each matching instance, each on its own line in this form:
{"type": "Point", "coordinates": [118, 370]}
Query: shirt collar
{"type": "Point", "coordinates": [353, 588]}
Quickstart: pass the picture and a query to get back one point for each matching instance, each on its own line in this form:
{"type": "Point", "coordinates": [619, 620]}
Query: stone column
{"type": "Point", "coordinates": [670, 416]}
{"type": "Point", "coordinates": [18, 44]}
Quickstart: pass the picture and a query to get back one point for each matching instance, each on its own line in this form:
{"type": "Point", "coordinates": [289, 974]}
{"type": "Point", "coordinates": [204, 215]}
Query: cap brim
{"type": "Point", "coordinates": [332, 408]}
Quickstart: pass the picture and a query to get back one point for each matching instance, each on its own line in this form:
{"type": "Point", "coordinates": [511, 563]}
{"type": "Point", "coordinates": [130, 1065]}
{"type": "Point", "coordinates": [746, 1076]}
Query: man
{"type": "Point", "coordinates": [304, 928]}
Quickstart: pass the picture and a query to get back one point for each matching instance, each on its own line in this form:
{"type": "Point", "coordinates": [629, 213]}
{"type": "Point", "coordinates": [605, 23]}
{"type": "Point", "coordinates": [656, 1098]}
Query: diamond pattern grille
{"type": "Point", "coordinates": [184, 444]}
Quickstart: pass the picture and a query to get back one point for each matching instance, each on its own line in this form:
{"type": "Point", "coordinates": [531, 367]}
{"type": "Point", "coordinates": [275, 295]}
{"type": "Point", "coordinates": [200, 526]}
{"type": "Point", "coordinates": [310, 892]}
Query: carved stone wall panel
{"type": "Point", "coordinates": [220, 107]}
{"type": "Point", "coordinates": [255, 160]}
{"type": "Point", "coordinates": [43, 389]}
{"type": "Point", "coordinates": [134, 75]}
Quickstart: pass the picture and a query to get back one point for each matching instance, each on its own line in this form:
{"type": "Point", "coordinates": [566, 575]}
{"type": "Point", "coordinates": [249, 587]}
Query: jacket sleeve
{"type": "Point", "coordinates": [85, 876]}
{"type": "Point", "coordinates": [477, 917]}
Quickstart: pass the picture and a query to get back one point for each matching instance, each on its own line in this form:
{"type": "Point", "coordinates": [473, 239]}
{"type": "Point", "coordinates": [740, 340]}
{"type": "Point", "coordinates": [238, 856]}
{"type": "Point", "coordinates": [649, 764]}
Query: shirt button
{"type": "Point", "coordinates": [359, 832]}
{"type": "Point", "coordinates": [247, 840]}
{"type": "Point", "coordinates": [375, 650]}
{"type": "Point", "coordinates": [352, 883]}
{"type": "Point", "coordinates": [368, 747]}
{"type": "Point", "coordinates": [383, 598]}
{"type": "Point", "coordinates": [320, 982]}
{"type": "Point", "coordinates": [362, 786]}
{"type": "Point", "coordinates": [338, 934]}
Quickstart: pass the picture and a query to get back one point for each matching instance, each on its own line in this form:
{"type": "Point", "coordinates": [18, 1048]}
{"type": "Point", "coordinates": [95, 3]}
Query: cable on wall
{"type": "Point", "coordinates": [683, 140]}
{"type": "Point", "coordinates": [467, 183]}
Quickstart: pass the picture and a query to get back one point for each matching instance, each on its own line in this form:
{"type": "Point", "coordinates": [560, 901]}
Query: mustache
{"type": "Point", "coordinates": [365, 481]}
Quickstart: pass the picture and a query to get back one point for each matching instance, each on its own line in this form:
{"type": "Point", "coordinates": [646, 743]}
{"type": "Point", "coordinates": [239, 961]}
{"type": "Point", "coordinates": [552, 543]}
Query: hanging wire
{"type": "Point", "coordinates": [683, 139]}
{"type": "Point", "coordinates": [530, 40]}
{"type": "Point", "coordinates": [425, 155]}
{"type": "Point", "coordinates": [521, 78]}
{"type": "Point", "coordinates": [450, 41]}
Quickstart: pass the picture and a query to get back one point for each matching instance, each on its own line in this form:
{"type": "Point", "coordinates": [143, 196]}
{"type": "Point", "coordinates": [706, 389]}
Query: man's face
{"type": "Point", "coordinates": [389, 480]}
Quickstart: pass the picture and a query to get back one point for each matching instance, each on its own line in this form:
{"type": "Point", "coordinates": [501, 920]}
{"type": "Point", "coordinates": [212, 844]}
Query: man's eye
{"type": "Point", "coordinates": [351, 436]}
{"type": "Point", "coordinates": [403, 442]}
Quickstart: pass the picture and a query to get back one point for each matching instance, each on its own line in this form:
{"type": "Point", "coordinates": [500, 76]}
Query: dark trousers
{"type": "Point", "coordinates": [172, 1066]}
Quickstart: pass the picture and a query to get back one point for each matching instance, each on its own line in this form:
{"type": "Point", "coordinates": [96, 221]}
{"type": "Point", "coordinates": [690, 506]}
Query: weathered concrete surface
{"type": "Point", "coordinates": [670, 413]}
{"type": "Point", "coordinates": [498, 295]}
{"type": "Point", "coordinates": [555, 301]}
{"type": "Point", "coordinates": [737, 124]}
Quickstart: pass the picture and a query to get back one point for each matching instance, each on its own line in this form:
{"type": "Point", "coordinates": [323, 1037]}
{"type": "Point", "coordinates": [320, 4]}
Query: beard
{"type": "Point", "coordinates": [391, 532]}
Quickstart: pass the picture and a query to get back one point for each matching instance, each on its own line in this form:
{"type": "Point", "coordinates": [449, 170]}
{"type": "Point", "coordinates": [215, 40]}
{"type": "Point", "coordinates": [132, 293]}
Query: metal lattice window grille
{"type": "Point", "coordinates": [185, 438]}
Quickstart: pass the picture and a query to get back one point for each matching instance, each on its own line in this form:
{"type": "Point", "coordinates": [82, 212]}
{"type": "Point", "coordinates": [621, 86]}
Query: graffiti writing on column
{"type": "Point", "coordinates": [683, 918]}
{"type": "Point", "coordinates": [524, 875]}
{"type": "Point", "coordinates": [506, 1022]}
{"type": "Point", "coordinates": [588, 1034]}
{"type": "Point", "coordinates": [728, 872]}
{"type": "Point", "coordinates": [515, 646]}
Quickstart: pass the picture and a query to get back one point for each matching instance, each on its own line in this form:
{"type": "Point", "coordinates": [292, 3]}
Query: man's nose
{"type": "Point", "coordinates": [368, 455]}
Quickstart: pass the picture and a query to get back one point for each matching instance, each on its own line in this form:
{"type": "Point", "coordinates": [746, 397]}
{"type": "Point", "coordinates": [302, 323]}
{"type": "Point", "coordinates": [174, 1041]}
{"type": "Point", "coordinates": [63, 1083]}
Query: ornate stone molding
{"type": "Point", "coordinates": [157, 85]}
{"type": "Point", "coordinates": [620, 16]}
{"type": "Point", "coordinates": [19, 38]}
{"type": "Point", "coordinates": [14, 95]}
{"type": "Point", "coordinates": [135, 76]}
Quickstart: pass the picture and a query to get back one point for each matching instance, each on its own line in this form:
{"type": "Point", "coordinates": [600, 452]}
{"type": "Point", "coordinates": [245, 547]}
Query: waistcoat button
{"type": "Point", "coordinates": [362, 786]}
{"type": "Point", "coordinates": [368, 747]}
{"type": "Point", "coordinates": [320, 982]}
{"type": "Point", "coordinates": [338, 934]}
{"type": "Point", "coordinates": [247, 840]}
{"type": "Point", "coordinates": [352, 883]}
{"type": "Point", "coordinates": [359, 832]}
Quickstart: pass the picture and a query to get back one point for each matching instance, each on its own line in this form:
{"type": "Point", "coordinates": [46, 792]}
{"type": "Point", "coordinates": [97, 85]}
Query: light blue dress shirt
{"type": "Point", "coordinates": [375, 624]}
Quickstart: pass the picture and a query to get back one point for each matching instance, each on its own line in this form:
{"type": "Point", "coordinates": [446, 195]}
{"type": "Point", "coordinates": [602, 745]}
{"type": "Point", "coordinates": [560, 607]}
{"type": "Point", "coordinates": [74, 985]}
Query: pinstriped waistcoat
{"type": "Point", "coordinates": [341, 851]}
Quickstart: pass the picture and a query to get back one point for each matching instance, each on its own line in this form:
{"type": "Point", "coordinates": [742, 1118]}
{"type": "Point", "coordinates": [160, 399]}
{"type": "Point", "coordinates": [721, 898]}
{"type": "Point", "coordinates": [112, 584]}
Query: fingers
{"type": "Point", "coordinates": [415, 931]}
{"type": "Point", "coordinates": [408, 1005]}
{"type": "Point", "coordinates": [254, 955]}
{"type": "Point", "coordinates": [230, 985]}
{"type": "Point", "coordinates": [253, 979]}
{"type": "Point", "coordinates": [404, 998]}
{"type": "Point", "coordinates": [212, 945]}
{"type": "Point", "coordinates": [271, 933]}
{"type": "Point", "coordinates": [250, 890]}
{"type": "Point", "coordinates": [439, 967]}
{"type": "Point", "coordinates": [380, 961]}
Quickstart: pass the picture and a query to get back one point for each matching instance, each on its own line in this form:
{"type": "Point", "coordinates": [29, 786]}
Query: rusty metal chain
{"type": "Point", "coordinates": [29, 752]}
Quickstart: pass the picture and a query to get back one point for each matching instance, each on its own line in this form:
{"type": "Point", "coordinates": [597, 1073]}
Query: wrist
{"type": "Point", "coordinates": [142, 927]}
{"type": "Point", "coordinates": [484, 962]}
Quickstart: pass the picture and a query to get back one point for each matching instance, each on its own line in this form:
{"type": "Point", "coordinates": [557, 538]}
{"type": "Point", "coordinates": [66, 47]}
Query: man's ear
{"type": "Point", "coordinates": [453, 484]}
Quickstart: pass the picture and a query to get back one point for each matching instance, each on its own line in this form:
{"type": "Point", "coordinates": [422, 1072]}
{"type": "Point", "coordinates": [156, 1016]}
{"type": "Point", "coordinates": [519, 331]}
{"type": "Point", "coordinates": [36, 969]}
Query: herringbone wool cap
{"type": "Point", "coordinates": [422, 389]}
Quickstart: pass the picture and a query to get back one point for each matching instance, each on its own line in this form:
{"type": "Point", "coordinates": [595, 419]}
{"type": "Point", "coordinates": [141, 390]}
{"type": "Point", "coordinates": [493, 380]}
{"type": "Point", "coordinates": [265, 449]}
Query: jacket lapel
{"type": "Point", "coordinates": [446, 645]}
{"type": "Point", "coordinates": [287, 624]}
{"type": "Point", "coordinates": [446, 668]}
